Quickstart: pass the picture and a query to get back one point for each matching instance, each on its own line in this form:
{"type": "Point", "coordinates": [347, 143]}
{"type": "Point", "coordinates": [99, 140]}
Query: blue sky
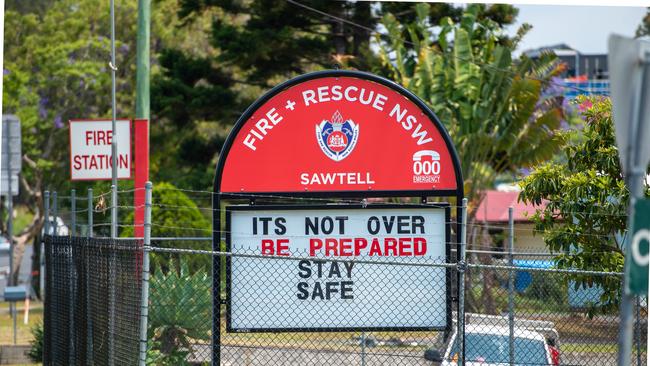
{"type": "Point", "coordinates": [584, 28]}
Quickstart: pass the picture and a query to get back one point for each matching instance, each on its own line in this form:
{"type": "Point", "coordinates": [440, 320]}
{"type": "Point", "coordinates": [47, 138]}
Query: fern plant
{"type": "Point", "coordinates": [180, 310]}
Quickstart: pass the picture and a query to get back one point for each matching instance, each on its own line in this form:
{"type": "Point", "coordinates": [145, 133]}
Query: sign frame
{"type": "Point", "coordinates": [324, 196]}
{"type": "Point", "coordinates": [77, 120]}
{"type": "Point", "coordinates": [320, 208]}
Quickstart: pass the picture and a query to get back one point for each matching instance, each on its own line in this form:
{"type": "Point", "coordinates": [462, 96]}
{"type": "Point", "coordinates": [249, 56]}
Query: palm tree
{"type": "Point", "coordinates": [494, 107]}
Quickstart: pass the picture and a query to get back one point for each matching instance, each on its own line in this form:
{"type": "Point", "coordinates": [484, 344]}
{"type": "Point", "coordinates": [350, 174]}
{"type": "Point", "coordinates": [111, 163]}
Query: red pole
{"type": "Point", "coordinates": [141, 164]}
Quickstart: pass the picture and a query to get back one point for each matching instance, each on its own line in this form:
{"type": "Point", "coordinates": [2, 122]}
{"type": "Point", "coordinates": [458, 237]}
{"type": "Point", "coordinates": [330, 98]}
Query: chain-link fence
{"type": "Point", "coordinates": [518, 307]}
{"type": "Point", "coordinates": [554, 321]}
{"type": "Point", "coordinates": [92, 301]}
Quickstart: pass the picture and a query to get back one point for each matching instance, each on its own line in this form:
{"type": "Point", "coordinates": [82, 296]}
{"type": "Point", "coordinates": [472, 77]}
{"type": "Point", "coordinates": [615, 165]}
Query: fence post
{"type": "Point", "coordinates": [144, 309]}
{"type": "Point", "coordinates": [113, 211]}
{"type": "Point", "coordinates": [511, 285]}
{"type": "Point", "coordinates": [90, 213]}
{"type": "Point", "coordinates": [461, 287]}
{"type": "Point", "coordinates": [46, 318]}
{"type": "Point", "coordinates": [89, 319]}
{"type": "Point", "coordinates": [638, 330]}
{"type": "Point", "coordinates": [112, 277]}
{"type": "Point", "coordinates": [46, 231]}
{"type": "Point", "coordinates": [55, 213]}
{"type": "Point", "coordinates": [71, 320]}
{"type": "Point", "coordinates": [73, 207]}
{"type": "Point", "coordinates": [363, 348]}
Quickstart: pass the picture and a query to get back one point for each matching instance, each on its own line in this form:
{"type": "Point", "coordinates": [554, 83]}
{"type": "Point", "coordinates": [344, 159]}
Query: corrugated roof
{"type": "Point", "coordinates": [495, 204]}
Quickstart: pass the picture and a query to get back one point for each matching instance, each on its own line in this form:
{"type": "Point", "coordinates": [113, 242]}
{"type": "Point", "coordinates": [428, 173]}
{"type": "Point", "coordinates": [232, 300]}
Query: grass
{"type": "Point", "coordinates": [589, 347]}
{"type": "Point", "coordinates": [23, 334]}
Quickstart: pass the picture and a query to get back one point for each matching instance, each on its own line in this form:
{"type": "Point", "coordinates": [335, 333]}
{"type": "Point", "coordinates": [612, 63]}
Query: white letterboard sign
{"type": "Point", "coordinates": [332, 292]}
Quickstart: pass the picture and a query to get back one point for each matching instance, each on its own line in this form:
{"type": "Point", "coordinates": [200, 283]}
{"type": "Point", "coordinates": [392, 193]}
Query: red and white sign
{"type": "Point", "coordinates": [337, 134]}
{"type": "Point", "coordinates": [90, 149]}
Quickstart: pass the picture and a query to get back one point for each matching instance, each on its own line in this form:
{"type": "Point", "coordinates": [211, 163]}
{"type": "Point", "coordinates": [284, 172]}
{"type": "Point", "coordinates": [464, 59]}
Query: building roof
{"type": "Point", "coordinates": [495, 204]}
{"type": "Point", "coordinates": [558, 49]}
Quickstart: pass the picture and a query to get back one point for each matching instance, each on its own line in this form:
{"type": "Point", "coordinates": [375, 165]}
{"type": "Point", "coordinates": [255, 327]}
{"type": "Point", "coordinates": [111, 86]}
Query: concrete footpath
{"type": "Point", "coordinates": [11, 355]}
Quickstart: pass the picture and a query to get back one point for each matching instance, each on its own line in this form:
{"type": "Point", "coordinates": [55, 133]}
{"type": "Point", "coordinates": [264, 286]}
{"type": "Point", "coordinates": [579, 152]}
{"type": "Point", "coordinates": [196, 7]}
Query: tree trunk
{"type": "Point", "coordinates": [361, 36]}
{"type": "Point", "coordinates": [20, 242]}
{"type": "Point", "coordinates": [338, 32]}
{"type": "Point", "coordinates": [33, 229]}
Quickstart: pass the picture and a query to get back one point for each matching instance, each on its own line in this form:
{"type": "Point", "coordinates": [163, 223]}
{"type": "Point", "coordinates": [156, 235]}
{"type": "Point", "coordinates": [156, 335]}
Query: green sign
{"type": "Point", "coordinates": [637, 254]}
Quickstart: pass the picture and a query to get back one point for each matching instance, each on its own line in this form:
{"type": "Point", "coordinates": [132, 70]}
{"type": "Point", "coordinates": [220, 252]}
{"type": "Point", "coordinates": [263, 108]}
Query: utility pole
{"type": "Point", "coordinates": [142, 60]}
{"type": "Point", "coordinates": [141, 123]}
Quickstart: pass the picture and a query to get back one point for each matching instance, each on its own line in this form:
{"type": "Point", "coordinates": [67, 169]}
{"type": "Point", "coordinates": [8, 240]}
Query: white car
{"type": "Point", "coordinates": [4, 245]}
{"type": "Point", "coordinates": [58, 224]}
{"type": "Point", "coordinates": [487, 345]}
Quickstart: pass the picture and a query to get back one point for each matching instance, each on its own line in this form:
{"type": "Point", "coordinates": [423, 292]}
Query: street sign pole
{"type": "Point", "coordinates": [629, 61]}
{"type": "Point", "coordinates": [10, 234]}
{"type": "Point", "coordinates": [10, 221]}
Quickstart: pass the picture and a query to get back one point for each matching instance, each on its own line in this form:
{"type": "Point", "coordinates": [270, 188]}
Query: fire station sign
{"type": "Point", "coordinates": [324, 136]}
{"type": "Point", "coordinates": [338, 134]}
{"type": "Point", "coordinates": [90, 149]}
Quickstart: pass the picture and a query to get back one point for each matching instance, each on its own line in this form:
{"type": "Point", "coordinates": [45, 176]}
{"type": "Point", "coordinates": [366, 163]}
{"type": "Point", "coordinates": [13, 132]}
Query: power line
{"type": "Point", "coordinates": [374, 31]}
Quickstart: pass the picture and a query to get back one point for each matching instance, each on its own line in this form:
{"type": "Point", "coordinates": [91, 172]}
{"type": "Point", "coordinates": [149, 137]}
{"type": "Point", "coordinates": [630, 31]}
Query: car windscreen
{"type": "Point", "coordinates": [493, 348]}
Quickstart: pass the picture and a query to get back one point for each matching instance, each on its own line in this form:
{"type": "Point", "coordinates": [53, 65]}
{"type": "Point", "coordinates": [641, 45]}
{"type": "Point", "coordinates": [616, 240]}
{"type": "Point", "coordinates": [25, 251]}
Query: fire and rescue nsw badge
{"type": "Point", "coordinates": [337, 137]}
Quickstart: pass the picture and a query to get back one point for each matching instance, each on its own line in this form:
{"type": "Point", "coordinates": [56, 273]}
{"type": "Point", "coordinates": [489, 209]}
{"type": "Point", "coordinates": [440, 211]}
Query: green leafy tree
{"type": "Point", "coordinates": [252, 46]}
{"type": "Point", "coordinates": [174, 214]}
{"type": "Point", "coordinates": [492, 106]}
{"type": "Point", "coordinates": [586, 201]}
{"type": "Point", "coordinates": [644, 28]}
{"type": "Point", "coordinates": [55, 69]}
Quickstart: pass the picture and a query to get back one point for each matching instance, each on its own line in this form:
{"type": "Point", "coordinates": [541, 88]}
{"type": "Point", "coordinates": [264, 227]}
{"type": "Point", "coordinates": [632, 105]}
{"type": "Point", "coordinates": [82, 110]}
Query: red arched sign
{"type": "Point", "coordinates": [339, 132]}
{"type": "Point", "coordinates": [333, 134]}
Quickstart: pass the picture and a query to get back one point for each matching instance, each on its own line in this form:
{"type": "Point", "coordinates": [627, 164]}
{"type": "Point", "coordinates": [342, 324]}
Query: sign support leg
{"type": "Point", "coordinates": [73, 208]}
{"type": "Point", "coordinates": [216, 280]}
{"type": "Point", "coordinates": [511, 286]}
{"type": "Point", "coordinates": [461, 287]}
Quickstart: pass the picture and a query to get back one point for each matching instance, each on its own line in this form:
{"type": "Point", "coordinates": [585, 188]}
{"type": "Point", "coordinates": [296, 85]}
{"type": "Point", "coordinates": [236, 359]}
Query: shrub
{"type": "Point", "coordinates": [174, 214]}
{"type": "Point", "coordinates": [180, 311]}
{"type": "Point", "coordinates": [36, 350]}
